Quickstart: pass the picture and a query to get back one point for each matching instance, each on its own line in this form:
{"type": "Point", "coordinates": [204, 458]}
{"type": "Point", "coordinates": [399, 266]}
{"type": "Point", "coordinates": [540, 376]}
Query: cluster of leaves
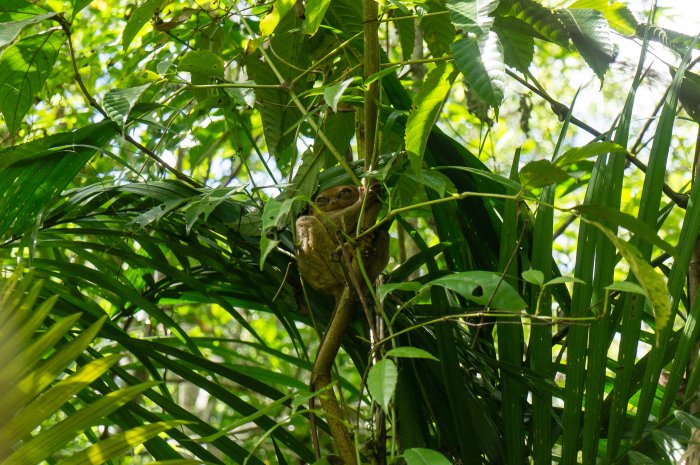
{"type": "Point", "coordinates": [135, 216]}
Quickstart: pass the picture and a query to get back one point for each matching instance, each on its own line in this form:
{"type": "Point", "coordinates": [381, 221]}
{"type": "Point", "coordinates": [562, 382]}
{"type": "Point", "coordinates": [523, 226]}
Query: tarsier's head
{"type": "Point", "coordinates": [336, 198]}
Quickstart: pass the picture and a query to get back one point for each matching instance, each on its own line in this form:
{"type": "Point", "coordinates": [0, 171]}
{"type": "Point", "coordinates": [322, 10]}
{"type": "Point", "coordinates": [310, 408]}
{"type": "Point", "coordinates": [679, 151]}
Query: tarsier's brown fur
{"type": "Point", "coordinates": [325, 258]}
{"type": "Point", "coordinates": [320, 234]}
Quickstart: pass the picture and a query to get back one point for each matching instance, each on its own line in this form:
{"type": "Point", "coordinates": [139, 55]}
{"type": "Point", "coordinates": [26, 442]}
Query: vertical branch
{"type": "Point", "coordinates": [370, 12]}
{"type": "Point", "coordinates": [694, 271]}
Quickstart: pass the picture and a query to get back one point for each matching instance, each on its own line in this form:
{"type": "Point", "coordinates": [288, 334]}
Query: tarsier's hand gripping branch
{"type": "Point", "coordinates": [323, 264]}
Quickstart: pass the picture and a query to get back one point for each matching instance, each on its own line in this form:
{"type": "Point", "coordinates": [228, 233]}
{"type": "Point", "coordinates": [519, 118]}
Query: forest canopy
{"type": "Point", "coordinates": [431, 231]}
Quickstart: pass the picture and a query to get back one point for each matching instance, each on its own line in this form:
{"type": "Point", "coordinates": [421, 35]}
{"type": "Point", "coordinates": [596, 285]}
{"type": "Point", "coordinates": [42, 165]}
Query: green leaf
{"type": "Point", "coordinates": [438, 31]}
{"type": "Point", "coordinates": [386, 289]}
{"type": "Point", "coordinates": [156, 213]}
{"type": "Point", "coordinates": [686, 419]}
{"type": "Point", "coordinates": [542, 20]}
{"type": "Point", "coordinates": [626, 286]}
{"type": "Point", "coordinates": [139, 17]}
{"type": "Point", "coordinates": [206, 203]}
{"type": "Point", "coordinates": [472, 15]}
{"type": "Point", "coordinates": [18, 10]}
{"type": "Point", "coordinates": [314, 11]}
{"type": "Point", "coordinates": [540, 173]}
{"type": "Point", "coordinates": [276, 214]}
{"type": "Point", "coordinates": [689, 95]}
{"type": "Point", "coordinates": [517, 40]}
{"type": "Point", "coordinates": [50, 440]}
{"type": "Point", "coordinates": [26, 65]}
{"type": "Point", "coordinates": [629, 222]}
{"type": "Point", "coordinates": [482, 63]}
{"type": "Point", "coordinates": [78, 6]}
{"type": "Point", "coordinates": [410, 352]}
{"type": "Point", "coordinates": [118, 103]}
{"type": "Point", "coordinates": [483, 288]}
{"type": "Point", "coordinates": [618, 15]}
{"type": "Point", "coordinates": [590, 33]}
{"type": "Point", "coordinates": [202, 62]}
{"type": "Point", "coordinates": [564, 280]}
{"type": "Point", "coordinates": [425, 111]}
{"type": "Point", "coordinates": [381, 382]}
{"type": "Point", "coordinates": [621, 19]}
{"type": "Point", "coordinates": [42, 407]}
{"type": "Point", "coordinates": [637, 458]}
{"type": "Point", "coordinates": [117, 445]}
{"type": "Point", "coordinates": [43, 167]}
{"type": "Point", "coordinates": [332, 94]}
{"type": "Point", "coordinates": [535, 277]}
{"type": "Point", "coordinates": [419, 456]}
{"type": "Point", "coordinates": [592, 149]}
{"type": "Point", "coordinates": [279, 9]}
{"type": "Point", "coordinates": [10, 30]}
{"type": "Point", "coordinates": [651, 280]}
{"type": "Point", "coordinates": [407, 36]}
{"type": "Point", "coordinates": [428, 178]}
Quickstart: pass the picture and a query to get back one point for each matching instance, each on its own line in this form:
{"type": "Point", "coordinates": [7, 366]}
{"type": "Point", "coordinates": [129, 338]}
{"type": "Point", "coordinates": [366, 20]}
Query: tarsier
{"type": "Point", "coordinates": [321, 234]}
{"type": "Point", "coordinates": [326, 258]}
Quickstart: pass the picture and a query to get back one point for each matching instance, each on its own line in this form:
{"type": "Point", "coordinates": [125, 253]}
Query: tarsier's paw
{"type": "Point", "coordinates": [367, 245]}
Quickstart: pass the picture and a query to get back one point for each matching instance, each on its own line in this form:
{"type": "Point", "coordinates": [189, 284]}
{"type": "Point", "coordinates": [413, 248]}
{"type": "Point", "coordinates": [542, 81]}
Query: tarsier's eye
{"type": "Point", "coordinates": [322, 201]}
{"type": "Point", "coordinates": [345, 193]}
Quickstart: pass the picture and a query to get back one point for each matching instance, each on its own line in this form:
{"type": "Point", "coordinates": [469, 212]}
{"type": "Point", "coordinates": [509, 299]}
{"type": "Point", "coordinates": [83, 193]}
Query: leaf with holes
{"type": "Point", "coordinates": [483, 288]}
{"type": "Point", "coordinates": [202, 62]}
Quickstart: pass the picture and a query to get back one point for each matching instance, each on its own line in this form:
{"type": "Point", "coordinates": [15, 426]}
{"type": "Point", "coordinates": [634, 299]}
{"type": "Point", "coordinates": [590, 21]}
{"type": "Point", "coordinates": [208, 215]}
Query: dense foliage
{"type": "Point", "coordinates": [540, 302]}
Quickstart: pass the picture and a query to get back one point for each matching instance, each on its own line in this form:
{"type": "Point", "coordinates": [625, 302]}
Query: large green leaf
{"type": "Point", "coordinates": [26, 65]}
{"type": "Point", "coordinates": [590, 33]}
{"type": "Point", "coordinates": [472, 15]}
{"type": "Point", "coordinates": [425, 112]}
{"type": "Point", "coordinates": [35, 172]}
{"type": "Point", "coordinates": [138, 19]}
{"type": "Point", "coordinates": [542, 20]}
{"type": "Point", "coordinates": [118, 103]}
{"type": "Point", "coordinates": [482, 63]}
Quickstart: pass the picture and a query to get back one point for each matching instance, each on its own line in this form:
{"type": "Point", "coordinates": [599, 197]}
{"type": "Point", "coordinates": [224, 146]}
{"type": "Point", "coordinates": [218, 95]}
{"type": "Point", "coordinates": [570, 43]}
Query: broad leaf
{"type": "Point", "coordinates": [138, 19]}
{"type": "Point", "coordinates": [203, 62]}
{"type": "Point", "coordinates": [592, 149]}
{"type": "Point", "coordinates": [314, 11]}
{"type": "Point", "coordinates": [472, 15]}
{"type": "Point", "coordinates": [418, 456]}
{"type": "Point", "coordinates": [425, 112]}
{"type": "Point", "coordinates": [381, 382]}
{"type": "Point", "coordinates": [118, 103]}
{"type": "Point", "coordinates": [10, 30]}
{"type": "Point", "coordinates": [483, 288]}
{"type": "Point", "coordinates": [542, 20]}
{"type": "Point", "coordinates": [26, 65]}
{"type": "Point", "coordinates": [410, 352]}
{"type": "Point", "coordinates": [590, 33]}
{"type": "Point", "coordinates": [482, 63]}
{"type": "Point", "coordinates": [540, 173]}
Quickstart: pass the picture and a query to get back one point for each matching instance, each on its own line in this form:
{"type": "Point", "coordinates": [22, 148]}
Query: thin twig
{"type": "Point", "coordinates": [93, 103]}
